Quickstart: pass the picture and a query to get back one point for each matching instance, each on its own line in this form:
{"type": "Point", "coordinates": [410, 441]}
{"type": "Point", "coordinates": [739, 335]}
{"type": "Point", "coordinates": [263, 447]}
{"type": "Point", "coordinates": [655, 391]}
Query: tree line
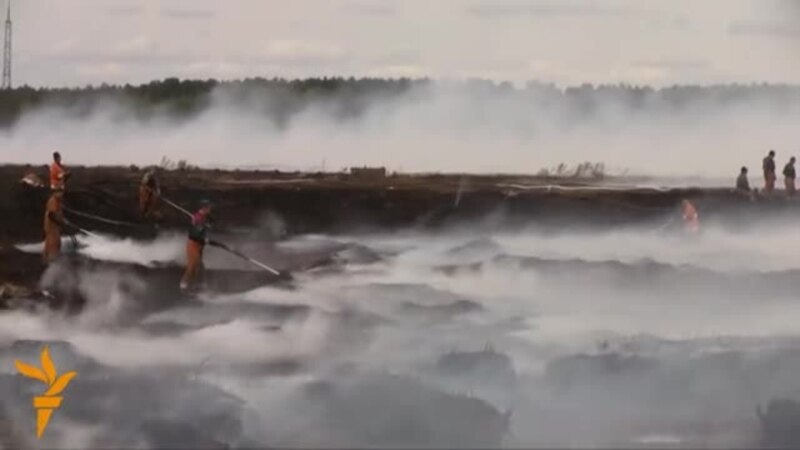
{"type": "Point", "coordinates": [345, 98]}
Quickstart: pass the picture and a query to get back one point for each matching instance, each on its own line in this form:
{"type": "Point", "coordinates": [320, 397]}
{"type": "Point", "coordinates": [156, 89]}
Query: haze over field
{"type": "Point", "coordinates": [427, 127]}
{"type": "Point", "coordinates": [433, 127]}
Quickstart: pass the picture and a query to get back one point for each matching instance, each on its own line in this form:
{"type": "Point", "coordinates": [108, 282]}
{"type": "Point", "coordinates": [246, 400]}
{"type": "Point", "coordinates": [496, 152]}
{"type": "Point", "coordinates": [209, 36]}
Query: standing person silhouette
{"type": "Point", "coordinates": [789, 176]}
{"type": "Point", "coordinates": [769, 172]}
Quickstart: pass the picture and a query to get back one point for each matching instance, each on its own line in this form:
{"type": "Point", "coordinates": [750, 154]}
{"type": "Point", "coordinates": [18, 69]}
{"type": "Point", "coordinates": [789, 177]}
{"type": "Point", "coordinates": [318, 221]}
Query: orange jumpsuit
{"type": "Point", "coordinates": [194, 263]}
{"type": "Point", "coordinates": [148, 202]}
{"type": "Point", "coordinates": [194, 249]}
{"type": "Point", "coordinates": [57, 175]}
{"type": "Point", "coordinates": [148, 198]}
{"type": "Point", "coordinates": [52, 228]}
{"type": "Point", "coordinates": [691, 219]}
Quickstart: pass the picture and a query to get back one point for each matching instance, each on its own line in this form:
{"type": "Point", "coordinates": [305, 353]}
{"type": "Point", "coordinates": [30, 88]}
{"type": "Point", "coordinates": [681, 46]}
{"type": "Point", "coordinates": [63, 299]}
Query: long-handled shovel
{"type": "Point", "coordinates": [174, 205]}
{"type": "Point", "coordinates": [251, 260]}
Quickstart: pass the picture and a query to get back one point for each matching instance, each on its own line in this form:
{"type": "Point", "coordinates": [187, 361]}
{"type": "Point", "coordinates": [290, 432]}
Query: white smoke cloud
{"type": "Point", "coordinates": [387, 317]}
{"type": "Point", "coordinates": [429, 129]}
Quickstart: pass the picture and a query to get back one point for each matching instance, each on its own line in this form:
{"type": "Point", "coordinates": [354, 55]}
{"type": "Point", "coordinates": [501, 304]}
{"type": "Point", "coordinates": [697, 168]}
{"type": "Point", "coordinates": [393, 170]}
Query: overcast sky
{"type": "Point", "coordinates": [76, 42]}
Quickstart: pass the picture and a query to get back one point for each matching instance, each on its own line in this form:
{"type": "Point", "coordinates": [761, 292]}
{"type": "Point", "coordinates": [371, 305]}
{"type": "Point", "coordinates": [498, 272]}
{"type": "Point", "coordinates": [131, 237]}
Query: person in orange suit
{"type": "Point", "coordinates": [53, 224]}
{"type": "Point", "coordinates": [691, 220]}
{"type": "Point", "coordinates": [58, 174]}
{"type": "Point", "coordinates": [195, 244]}
{"type": "Point", "coordinates": [149, 192]}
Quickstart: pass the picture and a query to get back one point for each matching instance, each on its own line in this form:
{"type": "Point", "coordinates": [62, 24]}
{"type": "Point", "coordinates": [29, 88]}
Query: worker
{"type": "Point", "coordinates": [196, 242]}
{"type": "Point", "coordinates": [53, 224]}
{"type": "Point", "coordinates": [149, 193]}
{"type": "Point", "coordinates": [742, 184]}
{"type": "Point", "coordinates": [691, 220]}
{"type": "Point", "coordinates": [769, 172]}
{"type": "Point", "coordinates": [58, 174]}
{"type": "Point", "coordinates": [789, 176]}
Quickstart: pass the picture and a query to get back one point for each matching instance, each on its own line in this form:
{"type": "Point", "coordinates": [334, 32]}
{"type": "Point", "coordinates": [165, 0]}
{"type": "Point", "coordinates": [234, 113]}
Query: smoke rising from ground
{"type": "Point", "coordinates": [470, 338]}
{"type": "Point", "coordinates": [438, 126]}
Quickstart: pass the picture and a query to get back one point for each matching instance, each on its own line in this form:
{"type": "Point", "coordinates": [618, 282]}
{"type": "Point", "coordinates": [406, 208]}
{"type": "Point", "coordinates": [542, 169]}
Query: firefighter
{"type": "Point", "coordinates": [691, 220]}
{"type": "Point", "coordinates": [195, 244]}
{"type": "Point", "coordinates": [149, 193]}
{"type": "Point", "coordinates": [58, 174]}
{"type": "Point", "coordinates": [53, 225]}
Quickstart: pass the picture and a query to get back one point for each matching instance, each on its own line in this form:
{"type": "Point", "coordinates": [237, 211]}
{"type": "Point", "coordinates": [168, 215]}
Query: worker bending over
{"type": "Point", "coordinates": [149, 192]}
{"type": "Point", "coordinates": [789, 176]}
{"type": "Point", "coordinates": [196, 242]}
{"type": "Point", "coordinates": [53, 224]}
{"type": "Point", "coordinates": [58, 174]}
{"type": "Point", "coordinates": [769, 172]}
{"type": "Point", "coordinates": [691, 220]}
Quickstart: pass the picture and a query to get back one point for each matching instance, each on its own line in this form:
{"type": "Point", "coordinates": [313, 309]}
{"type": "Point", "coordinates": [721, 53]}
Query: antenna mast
{"type": "Point", "coordinates": [7, 50]}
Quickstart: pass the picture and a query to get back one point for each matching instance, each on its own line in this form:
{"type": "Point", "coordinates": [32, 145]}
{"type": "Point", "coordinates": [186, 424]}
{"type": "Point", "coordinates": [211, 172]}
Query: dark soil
{"type": "Point", "coordinates": [334, 203]}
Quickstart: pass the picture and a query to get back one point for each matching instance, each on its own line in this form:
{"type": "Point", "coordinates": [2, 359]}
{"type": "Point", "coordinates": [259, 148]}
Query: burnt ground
{"type": "Point", "coordinates": [334, 203]}
{"type": "Point", "coordinates": [331, 203]}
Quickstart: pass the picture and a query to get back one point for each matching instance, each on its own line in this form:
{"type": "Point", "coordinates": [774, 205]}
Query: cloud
{"type": "Point", "coordinates": [142, 54]}
{"type": "Point", "coordinates": [100, 70]}
{"type": "Point", "coordinates": [369, 8]}
{"type": "Point", "coordinates": [672, 64]}
{"type": "Point", "coordinates": [136, 49]}
{"type": "Point", "coordinates": [359, 37]}
{"type": "Point", "coordinates": [124, 10]}
{"type": "Point", "coordinates": [138, 45]}
{"type": "Point", "coordinates": [64, 48]}
{"type": "Point", "coordinates": [188, 14]}
{"type": "Point", "coordinates": [300, 52]}
{"type": "Point", "coordinates": [404, 57]}
{"type": "Point", "coordinates": [789, 30]}
{"type": "Point", "coordinates": [399, 71]}
{"type": "Point", "coordinates": [546, 8]}
{"type": "Point", "coordinates": [678, 22]}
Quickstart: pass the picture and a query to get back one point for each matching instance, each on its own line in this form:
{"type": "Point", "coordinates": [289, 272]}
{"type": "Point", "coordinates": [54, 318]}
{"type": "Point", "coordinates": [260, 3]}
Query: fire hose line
{"type": "Point", "coordinates": [103, 219]}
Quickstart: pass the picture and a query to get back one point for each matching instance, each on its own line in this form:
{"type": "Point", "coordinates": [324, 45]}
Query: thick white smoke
{"type": "Point", "coordinates": [435, 127]}
{"type": "Point", "coordinates": [587, 339]}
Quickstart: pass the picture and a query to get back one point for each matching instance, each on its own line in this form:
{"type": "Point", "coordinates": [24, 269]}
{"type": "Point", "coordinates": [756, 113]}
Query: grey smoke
{"type": "Point", "coordinates": [433, 127]}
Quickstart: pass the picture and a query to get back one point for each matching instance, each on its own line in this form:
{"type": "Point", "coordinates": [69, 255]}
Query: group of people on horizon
{"type": "Point", "coordinates": [768, 167]}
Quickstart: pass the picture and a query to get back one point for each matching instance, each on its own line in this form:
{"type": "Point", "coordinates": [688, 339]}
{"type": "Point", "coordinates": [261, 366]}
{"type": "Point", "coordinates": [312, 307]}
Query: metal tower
{"type": "Point", "coordinates": [7, 51]}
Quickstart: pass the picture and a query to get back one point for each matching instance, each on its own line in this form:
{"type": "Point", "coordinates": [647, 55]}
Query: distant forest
{"type": "Point", "coordinates": [346, 98]}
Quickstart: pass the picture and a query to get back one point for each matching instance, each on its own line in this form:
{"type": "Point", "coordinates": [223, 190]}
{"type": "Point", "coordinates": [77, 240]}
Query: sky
{"type": "Point", "coordinates": [566, 42]}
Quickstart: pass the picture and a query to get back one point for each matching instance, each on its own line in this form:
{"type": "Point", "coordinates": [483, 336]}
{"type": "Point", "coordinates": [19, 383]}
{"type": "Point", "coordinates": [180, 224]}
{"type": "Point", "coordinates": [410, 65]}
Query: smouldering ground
{"type": "Point", "coordinates": [458, 338]}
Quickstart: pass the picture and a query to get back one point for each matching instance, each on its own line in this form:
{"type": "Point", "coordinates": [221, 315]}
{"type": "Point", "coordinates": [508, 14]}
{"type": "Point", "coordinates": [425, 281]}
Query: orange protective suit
{"type": "Point", "coordinates": [57, 176]}
{"type": "Point", "coordinates": [194, 263]}
{"type": "Point", "coordinates": [691, 220]}
{"type": "Point", "coordinates": [52, 228]}
{"type": "Point", "coordinates": [148, 202]}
